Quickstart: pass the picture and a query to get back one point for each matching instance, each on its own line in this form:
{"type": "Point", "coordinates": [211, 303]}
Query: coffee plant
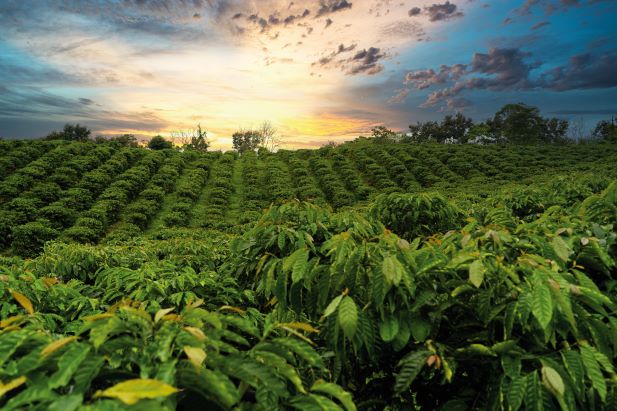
{"type": "Point", "coordinates": [369, 276]}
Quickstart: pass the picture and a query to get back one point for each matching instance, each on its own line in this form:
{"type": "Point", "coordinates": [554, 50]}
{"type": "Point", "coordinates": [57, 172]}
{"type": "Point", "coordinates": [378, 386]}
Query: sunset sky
{"type": "Point", "coordinates": [319, 70]}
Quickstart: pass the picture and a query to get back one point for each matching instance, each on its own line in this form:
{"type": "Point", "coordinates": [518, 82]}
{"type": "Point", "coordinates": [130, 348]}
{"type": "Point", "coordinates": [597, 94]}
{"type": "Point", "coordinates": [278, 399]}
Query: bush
{"type": "Point", "coordinates": [28, 239]}
{"type": "Point", "coordinates": [413, 215]}
{"type": "Point", "coordinates": [58, 216]}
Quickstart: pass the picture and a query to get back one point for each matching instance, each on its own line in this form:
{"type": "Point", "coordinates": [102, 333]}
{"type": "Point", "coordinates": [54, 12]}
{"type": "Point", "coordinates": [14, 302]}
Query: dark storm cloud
{"type": "Point", "coordinates": [332, 6]}
{"type": "Point", "coordinates": [583, 71]}
{"type": "Point", "coordinates": [509, 69]}
{"type": "Point", "coordinates": [20, 106]}
{"type": "Point", "coordinates": [507, 65]}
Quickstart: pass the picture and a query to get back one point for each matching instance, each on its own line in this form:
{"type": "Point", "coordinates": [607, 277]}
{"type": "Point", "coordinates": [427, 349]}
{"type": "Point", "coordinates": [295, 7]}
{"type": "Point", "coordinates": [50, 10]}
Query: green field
{"type": "Point", "coordinates": [365, 276]}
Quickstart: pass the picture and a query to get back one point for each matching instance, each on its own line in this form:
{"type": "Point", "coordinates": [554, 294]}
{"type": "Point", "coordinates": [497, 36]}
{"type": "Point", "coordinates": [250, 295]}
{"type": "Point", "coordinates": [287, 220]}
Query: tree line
{"type": "Point", "coordinates": [516, 123]}
{"type": "Point", "coordinates": [513, 123]}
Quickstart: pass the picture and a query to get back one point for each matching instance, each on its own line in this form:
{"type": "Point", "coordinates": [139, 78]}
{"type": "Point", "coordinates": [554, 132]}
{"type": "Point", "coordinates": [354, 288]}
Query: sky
{"type": "Point", "coordinates": [318, 70]}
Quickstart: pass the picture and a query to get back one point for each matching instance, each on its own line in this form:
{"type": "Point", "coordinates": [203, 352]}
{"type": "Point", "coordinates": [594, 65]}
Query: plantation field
{"type": "Point", "coordinates": [364, 276]}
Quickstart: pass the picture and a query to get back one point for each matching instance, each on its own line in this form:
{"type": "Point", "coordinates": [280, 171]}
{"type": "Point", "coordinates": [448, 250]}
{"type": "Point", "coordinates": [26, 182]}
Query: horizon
{"type": "Point", "coordinates": [320, 71]}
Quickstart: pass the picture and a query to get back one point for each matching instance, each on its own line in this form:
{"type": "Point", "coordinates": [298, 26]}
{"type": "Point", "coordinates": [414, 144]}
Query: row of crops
{"type": "Point", "coordinates": [413, 301]}
{"type": "Point", "coordinates": [86, 192]}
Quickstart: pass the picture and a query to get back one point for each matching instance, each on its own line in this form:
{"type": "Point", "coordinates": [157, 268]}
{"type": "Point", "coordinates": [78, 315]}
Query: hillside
{"type": "Point", "coordinates": [358, 277]}
{"type": "Point", "coordinates": [88, 192]}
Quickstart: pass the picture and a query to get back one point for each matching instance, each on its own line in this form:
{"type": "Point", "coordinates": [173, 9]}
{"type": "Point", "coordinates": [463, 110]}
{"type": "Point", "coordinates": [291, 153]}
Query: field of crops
{"type": "Point", "coordinates": [366, 276]}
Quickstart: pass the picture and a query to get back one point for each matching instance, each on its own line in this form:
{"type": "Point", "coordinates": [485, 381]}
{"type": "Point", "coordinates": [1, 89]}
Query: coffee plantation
{"type": "Point", "coordinates": [369, 276]}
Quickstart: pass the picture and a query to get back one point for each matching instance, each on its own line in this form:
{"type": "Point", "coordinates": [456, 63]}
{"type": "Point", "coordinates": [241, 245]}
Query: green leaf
{"type": "Point", "coordinates": [594, 373]}
{"type": "Point", "coordinates": [300, 267]}
{"type": "Point", "coordinates": [302, 349]}
{"type": "Point", "coordinates": [388, 329]}
{"type": "Point", "coordinates": [420, 328]}
{"type": "Point", "coordinates": [393, 270]}
{"type": "Point", "coordinates": [516, 392]}
{"type": "Point", "coordinates": [476, 273]}
{"type": "Point", "coordinates": [335, 391]}
{"type": "Point", "coordinates": [561, 248]}
{"type": "Point", "coordinates": [331, 308]}
{"type": "Point", "coordinates": [552, 381]}
{"type": "Point", "coordinates": [542, 304]}
{"type": "Point", "coordinates": [410, 367]}
{"type": "Point", "coordinates": [68, 364]}
{"type": "Point", "coordinates": [348, 316]}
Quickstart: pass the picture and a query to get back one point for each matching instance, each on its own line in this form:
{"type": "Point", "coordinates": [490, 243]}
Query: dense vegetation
{"type": "Point", "coordinates": [367, 276]}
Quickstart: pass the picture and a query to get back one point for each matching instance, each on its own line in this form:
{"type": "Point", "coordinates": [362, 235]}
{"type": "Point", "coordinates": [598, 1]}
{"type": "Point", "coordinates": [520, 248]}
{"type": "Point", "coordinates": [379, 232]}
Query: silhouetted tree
{"type": "Point", "coordinates": [71, 132]}
{"type": "Point", "coordinates": [606, 130]}
{"type": "Point", "coordinates": [159, 143]}
{"type": "Point", "coordinates": [455, 127]}
{"type": "Point", "coordinates": [518, 123]}
{"type": "Point", "coordinates": [383, 134]}
{"type": "Point", "coordinates": [246, 140]}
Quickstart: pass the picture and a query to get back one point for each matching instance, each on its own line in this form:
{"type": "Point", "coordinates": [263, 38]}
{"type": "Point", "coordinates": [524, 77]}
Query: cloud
{"type": "Point", "coordinates": [509, 69]}
{"type": "Point", "coordinates": [20, 106]}
{"type": "Point", "coordinates": [441, 12]}
{"type": "Point", "coordinates": [329, 58]}
{"type": "Point", "coordinates": [457, 104]}
{"type": "Point", "coordinates": [540, 24]}
{"type": "Point", "coordinates": [366, 61]}
{"type": "Point", "coordinates": [404, 30]}
{"type": "Point", "coordinates": [414, 11]}
{"type": "Point", "coordinates": [583, 71]}
{"type": "Point", "coordinates": [437, 11]}
{"type": "Point", "coordinates": [422, 79]}
{"type": "Point", "coordinates": [332, 6]}
{"type": "Point", "coordinates": [593, 111]}
{"type": "Point", "coordinates": [552, 6]}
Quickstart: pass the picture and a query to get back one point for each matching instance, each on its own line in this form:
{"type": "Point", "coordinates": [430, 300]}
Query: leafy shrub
{"type": "Point", "coordinates": [412, 215]}
{"type": "Point", "coordinates": [28, 239]}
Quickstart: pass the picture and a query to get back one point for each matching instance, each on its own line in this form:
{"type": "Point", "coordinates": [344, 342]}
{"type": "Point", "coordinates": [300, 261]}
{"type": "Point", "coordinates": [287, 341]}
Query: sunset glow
{"type": "Point", "coordinates": [320, 71]}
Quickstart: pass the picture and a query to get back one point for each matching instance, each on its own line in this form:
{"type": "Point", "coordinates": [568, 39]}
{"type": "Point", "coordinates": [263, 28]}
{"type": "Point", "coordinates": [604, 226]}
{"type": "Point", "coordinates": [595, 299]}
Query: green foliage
{"type": "Point", "coordinates": [417, 277]}
{"type": "Point", "coordinates": [159, 143]}
{"type": "Point", "coordinates": [71, 132]}
{"type": "Point", "coordinates": [412, 215]}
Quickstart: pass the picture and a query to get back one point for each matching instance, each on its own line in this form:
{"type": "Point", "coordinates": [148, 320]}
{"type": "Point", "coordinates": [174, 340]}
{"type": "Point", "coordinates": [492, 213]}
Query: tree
{"type": "Point", "coordinates": [124, 140]}
{"type": "Point", "coordinates": [196, 139]}
{"type": "Point", "coordinates": [269, 140]}
{"type": "Point", "coordinates": [456, 127]}
{"type": "Point", "coordinates": [159, 143]}
{"type": "Point", "coordinates": [71, 132]}
{"type": "Point", "coordinates": [199, 140]}
{"type": "Point", "coordinates": [606, 130]}
{"type": "Point", "coordinates": [246, 140]}
{"type": "Point", "coordinates": [555, 130]}
{"type": "Point", "coordinates": [422, 132]}
{"type": "Point", "coordinates": [383, 134]}
{"type": "Point", "coordinates": [518, 123]}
